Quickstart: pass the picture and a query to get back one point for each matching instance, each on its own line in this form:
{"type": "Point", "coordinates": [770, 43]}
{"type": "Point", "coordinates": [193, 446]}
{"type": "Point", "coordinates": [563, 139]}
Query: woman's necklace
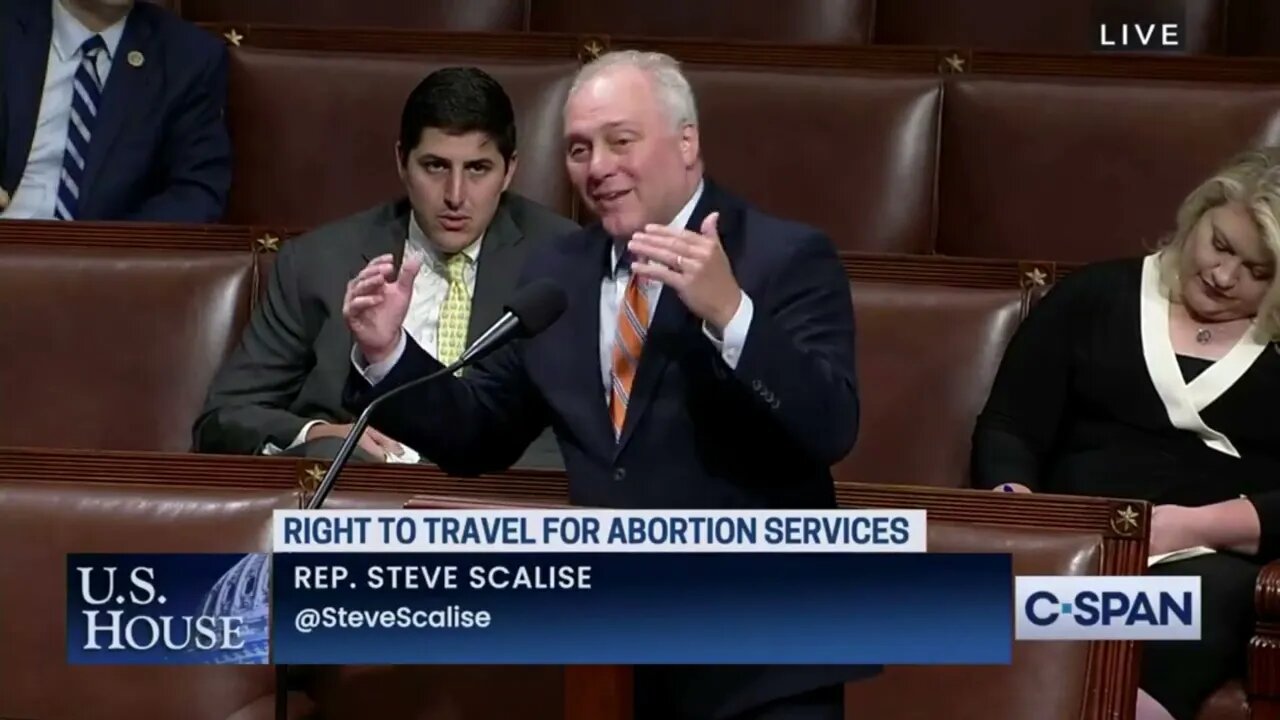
{"type": "Point", "coordinates": [1204, 335]}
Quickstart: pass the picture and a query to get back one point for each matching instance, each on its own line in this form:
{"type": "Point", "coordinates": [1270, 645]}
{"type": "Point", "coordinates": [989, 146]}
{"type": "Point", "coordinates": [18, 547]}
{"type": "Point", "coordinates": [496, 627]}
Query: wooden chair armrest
{"type": "Point", "coordinates": [1263, 681]}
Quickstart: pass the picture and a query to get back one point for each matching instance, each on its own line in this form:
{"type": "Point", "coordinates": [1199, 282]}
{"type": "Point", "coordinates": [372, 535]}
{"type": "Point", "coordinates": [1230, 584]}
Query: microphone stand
{"type": "Point", "coordinates": [481, 347]}
{"type": "Point", "coordinates": [534, 308]}
{"type": "Point", "coordinates": [361, 424]}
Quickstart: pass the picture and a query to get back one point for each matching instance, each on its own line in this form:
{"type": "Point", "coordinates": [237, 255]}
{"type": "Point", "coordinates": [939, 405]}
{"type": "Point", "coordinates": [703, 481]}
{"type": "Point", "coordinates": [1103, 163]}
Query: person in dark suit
{"type": "Point", "coordinates": [705, 358]}
{"type": "Point", "coordinates": [281, 389]}
{"type": "Point", "coordinates": [110, 110]}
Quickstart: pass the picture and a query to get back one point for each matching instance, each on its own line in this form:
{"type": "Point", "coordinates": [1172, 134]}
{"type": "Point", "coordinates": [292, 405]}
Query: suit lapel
{"type": "Point", "coordinates": [124, 96]}
{"type": "Point", "coordinates": [672, 323]}
{"type": "Point", "coordinates": [387, 235]}
{"type": "Point", "coordinates": [581, 341]}
{"type": "Point", "coordinates": [497, 271]}
{"type": "Point", "coordinates": [25, 57]}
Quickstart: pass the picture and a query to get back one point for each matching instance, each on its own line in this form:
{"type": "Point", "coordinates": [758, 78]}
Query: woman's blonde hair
{"type": "Point", "coordinates": [1252, 179]}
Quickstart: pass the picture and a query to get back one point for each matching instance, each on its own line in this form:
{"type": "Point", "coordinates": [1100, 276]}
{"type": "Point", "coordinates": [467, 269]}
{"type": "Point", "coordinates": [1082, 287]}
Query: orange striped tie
{"type": "Point", "coordinates": [628, 342]}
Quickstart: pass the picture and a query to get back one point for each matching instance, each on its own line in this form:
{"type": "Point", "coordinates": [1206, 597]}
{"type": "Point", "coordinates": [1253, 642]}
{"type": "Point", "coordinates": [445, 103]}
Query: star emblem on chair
{"type": "Point", "coordinates": [591, 50]}
{"type": "Point", "coordinates": [309, 481]}
{"type": "Point", "coordinates": [1125, 521]}
{"type": "Point", "coordinates": [269, 243]}
{"type": "Point", "coordinates": [233, 36]}
{"type": "Point", "coordinates": [953, 63]}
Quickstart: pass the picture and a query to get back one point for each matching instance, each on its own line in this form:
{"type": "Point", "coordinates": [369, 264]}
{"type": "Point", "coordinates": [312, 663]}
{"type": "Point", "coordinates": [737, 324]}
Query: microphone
{"type": "Point", "coordinates": [533, 309]}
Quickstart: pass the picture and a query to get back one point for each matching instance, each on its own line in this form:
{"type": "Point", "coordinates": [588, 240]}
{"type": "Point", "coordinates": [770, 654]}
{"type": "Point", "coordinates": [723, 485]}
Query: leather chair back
{"type": "Point", "coordinates": [315, 132]}
{"type": "Point", "coordinates": [1082, 169]}
{"type": "Point", "coordinates": [463, 15]}
{"type": "Point", "coordinates": [114, 348]}
{"type": "Point", "coordinates": [1035, 685]}
{"type": "Point", "coordinates": [794, 21]}
{"type": "Point", "coordinates": [41, 522]}
{"type": "Point", "coordinates": [926, 358]}
{"type": "Point", "coordinates": [853, 155]}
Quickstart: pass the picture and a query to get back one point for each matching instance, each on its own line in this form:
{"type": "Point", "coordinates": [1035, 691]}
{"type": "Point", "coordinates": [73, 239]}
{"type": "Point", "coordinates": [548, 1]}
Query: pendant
{"type": "Point", "coordinates": [1203, 336]}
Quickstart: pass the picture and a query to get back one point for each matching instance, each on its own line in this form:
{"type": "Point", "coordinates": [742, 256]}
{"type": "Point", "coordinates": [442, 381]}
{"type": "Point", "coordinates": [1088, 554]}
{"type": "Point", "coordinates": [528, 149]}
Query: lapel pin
{"type": "Point", "coordinates": [136, 59]}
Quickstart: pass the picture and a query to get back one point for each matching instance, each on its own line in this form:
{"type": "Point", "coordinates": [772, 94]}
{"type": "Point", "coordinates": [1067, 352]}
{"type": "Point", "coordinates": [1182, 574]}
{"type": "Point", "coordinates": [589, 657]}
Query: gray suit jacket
{"type": "Point", "coordinates": [291, 362]}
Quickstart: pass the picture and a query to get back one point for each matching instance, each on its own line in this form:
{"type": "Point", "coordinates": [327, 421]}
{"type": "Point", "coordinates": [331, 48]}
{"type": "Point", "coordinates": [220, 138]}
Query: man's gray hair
{"type": "Point", "coordinates": [671, 85]}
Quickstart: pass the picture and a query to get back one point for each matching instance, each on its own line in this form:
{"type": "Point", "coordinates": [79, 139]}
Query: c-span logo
{"type": "Point", "coordinates": [1107, 608]}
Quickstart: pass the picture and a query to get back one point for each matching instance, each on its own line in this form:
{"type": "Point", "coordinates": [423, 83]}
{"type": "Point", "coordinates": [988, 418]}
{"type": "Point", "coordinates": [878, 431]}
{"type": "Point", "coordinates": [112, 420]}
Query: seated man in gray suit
{"type": "Point", "coordinates": [280, 392]}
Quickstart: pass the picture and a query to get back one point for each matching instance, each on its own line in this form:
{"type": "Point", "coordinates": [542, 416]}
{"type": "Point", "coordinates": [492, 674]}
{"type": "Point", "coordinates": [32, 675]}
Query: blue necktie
{"type": "Point", "coordinates": [84, 113]}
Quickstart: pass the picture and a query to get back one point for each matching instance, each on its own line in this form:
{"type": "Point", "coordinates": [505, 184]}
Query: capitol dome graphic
{"type": "Point", "coordinates": [243, 591]}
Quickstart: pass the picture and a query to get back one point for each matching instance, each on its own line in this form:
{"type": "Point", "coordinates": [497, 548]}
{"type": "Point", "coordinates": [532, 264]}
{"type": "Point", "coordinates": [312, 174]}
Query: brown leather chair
{"type": "Point", "coordinates": [1046, 681]}
{"type": "Point", "coordinates": [794, 21]}
{"type": "Point", "coordinates": [315, 132]}
{"type": "Point", "coordinates": [464, 15]}
{"type": "Point", "coordinates": [41, 522]}
{"type": "Point", "coordinates": [854, 155]}
{"type": "Point", "coordinates": [113, 347]}
{"type": "Point", "coordinates": [1030, 166]}
{"type": "Point", "coordinates": [1083, 169]}
{"type": "Point", "coordinates": [926, 357]}
{"type": "Point", "coordinates": [1048, 26]}
{"type": "Point", "coordinates": [867, 155]}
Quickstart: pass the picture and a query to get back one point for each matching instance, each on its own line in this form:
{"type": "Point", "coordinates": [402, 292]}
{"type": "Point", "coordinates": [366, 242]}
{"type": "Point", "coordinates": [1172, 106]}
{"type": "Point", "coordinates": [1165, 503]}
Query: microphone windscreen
{"type": "Point", "coordinates": [537, 305]}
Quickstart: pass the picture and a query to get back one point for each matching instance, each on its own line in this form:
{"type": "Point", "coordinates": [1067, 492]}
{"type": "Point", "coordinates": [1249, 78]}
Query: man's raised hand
{"type": "Point", "coordinates": [376, 302]}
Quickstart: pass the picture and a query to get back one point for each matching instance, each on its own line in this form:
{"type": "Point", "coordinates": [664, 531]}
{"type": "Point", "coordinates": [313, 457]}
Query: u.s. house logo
{"type": "Point", "coordinates": [169, 609]}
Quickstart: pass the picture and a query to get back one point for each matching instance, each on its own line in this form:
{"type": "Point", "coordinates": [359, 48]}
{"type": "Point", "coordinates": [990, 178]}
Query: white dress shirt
{"type": "Point", "coordinates": [612, 290]}
{"type": "Point", "coordinates": [37, 192]}
{"type": "Point", "coordinates": [430, 288]}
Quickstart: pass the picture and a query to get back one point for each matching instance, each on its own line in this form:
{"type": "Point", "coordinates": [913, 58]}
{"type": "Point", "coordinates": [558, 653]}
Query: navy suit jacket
{"type": "Point", "coordinates": [697, 435]}
{"type": "Point", "coordinates": [160, 150]}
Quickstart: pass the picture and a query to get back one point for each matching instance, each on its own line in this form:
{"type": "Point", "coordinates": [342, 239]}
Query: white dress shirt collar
{"type": "Point", "coordinates": [418, 241]}
{"type": "Point", "coordinates": [69, 34]}
{"type": "Point", "coordinates": [680, 221]}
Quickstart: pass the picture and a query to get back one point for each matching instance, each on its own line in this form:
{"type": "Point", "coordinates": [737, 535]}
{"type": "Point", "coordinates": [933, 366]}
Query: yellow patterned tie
{"type": "Point", "coordinates": [456, 312]}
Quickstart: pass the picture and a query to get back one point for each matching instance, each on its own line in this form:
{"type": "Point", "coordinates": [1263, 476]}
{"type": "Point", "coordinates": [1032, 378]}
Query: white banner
{"type": "Point", "coordinates": [594, 531]}
{"type": "Point", "coordinates": [1107, 607]}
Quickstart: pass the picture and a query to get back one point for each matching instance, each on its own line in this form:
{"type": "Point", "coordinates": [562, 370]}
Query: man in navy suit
{"type": "Point", "coordinates": [705, 360]}
{"type": "Point", "coordinates": [110, 110]}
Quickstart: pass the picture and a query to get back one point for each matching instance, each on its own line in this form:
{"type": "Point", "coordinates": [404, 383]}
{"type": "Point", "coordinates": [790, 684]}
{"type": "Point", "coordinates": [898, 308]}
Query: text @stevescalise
{"type": "Point", "coordinates": [427, 578]}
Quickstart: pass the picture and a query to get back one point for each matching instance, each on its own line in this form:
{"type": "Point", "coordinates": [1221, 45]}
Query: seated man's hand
{"type": "Point", "coordinates": [372, 441]}
{"type": "Point", "coordinates": [4, 199]}
{"type": "Point", "coordinates": [1012, 488]}
{"type": "Point", "coordinates": [1174, 527]}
